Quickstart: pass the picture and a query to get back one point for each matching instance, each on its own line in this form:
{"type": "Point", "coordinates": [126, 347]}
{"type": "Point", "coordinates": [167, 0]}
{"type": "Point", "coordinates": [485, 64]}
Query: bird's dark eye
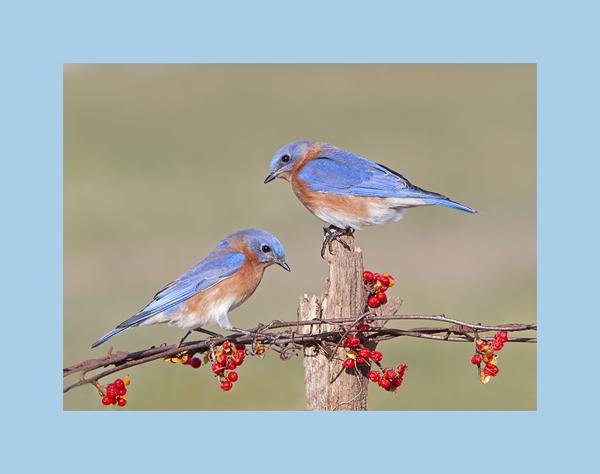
{"type": "Point", "coordinates": [266, 249]}
{"type": "Point", "coordinates": [285, 159]}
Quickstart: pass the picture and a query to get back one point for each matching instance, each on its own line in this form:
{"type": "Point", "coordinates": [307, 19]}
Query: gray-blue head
{"type": "Point", "coordinates": [264, 245]}
{"type": "Point", "coordinates": [287, 157]}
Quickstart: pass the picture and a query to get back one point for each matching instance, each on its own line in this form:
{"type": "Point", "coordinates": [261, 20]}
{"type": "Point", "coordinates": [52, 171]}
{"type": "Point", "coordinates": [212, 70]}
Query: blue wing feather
{"type": "Point", "coordinates": [216, 267]}
{"type": "Point", "coordinates": [340, 171]}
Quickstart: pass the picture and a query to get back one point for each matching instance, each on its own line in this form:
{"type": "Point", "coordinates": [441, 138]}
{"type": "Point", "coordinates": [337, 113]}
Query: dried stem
{"type": "Point", "coordinates": [288, 341]}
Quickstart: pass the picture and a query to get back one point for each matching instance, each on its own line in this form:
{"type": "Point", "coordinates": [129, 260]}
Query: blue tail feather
{"type": "Point", "coordinates": [430, 198]}
{"type": "Point", "coordinates": [108, 335]}
{"type": "Point", "coordinates": [453, 204]}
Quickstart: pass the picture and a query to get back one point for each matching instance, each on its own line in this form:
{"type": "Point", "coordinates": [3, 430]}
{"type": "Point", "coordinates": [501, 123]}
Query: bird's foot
{"type": "Point", "coordinates": [333, 233]}
{"type": "Point", "coordinates": [214, 336]}
{"type": "Point", "coordinates": [182, 340]}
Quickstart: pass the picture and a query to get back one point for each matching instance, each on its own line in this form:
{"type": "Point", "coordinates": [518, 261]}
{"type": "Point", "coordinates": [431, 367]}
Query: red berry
{"type": "Point", "coordinates": [240, 346]}
{"type": "Point", "coordinates": [381, 297]}
{"type": "Point", "coordinates": [232, 365]}
{"type": "Point", "coordinates": [119, 384]}
{"type": "Point", "coordinates": [349, 363]}
{"type": "Point", "coordinates": [364, 353]}
{"type": "Point", "coordinates": [121, 402]}
{"type": "Point", "coordinates": [222, 358]}
{"type": "Point", "coordinates": [374, 376]}
{"type": "Point", "coordinates": [360, 360]}
{"type": "Point", "coordinates": [106, 400]}
{"type": "Point", "coordinates": [491, 370]}
{"type": "Point", "coordinates": [368, 276]}
{"type": "Point", "coordinates": [384, 280]}
{"type": "Point", "coordinates": [502, 336]}
{"type": "Point", "coordinates": [226, 385]}
{"type": "Point", "coordinates": [476, 359]}
{"type": "Point", "coordinates": [122, 392]}
{"type": "Point", "coordinates": [376, 356]}
{"type": "Point", "coordinates": [396, 382]}
{"type": "Point", "coordinates": [112, 391]}
{"type": "Point", "coordinates": [497, 344]}
{"type": "Point", "coordinates": [353, 341]}
{"type": "Point", "coordinates": [216, 368]}
{"type": "Point", "coordinates": [384, 383]}
{"type": "Point", "coordinates": [195, 362]}
{"type": "Point", "coordinates": [401, 369]}
{"type": "Point", "coordinates": [239, 357]}
{"type": "Point", "coordinates": [232, 376]}
{"type": "Point", "coordinates": [226, 346]}
{"type": "Point", "coordinates": [113, 400]}
{"type": "Point", "coordinates": [362, 327]}
{"type": "Point", "coordinates": [390, 374]}
{"type": "Point", "coordinates": [373, 301]}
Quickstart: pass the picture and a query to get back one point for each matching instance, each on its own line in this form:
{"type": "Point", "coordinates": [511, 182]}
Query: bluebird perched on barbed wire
{"type": "Point", "coordinates": [210, 289]}
{"type": "Point", "coordinates": [348, 191]}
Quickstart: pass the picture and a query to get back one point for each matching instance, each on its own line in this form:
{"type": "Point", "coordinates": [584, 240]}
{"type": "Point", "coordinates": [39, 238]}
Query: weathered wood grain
{"type": "Point", "coordinates": [327, 386]}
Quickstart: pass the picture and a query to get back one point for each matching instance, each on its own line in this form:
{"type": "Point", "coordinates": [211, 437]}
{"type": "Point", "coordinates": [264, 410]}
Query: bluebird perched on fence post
{"type": "Point", "coordinates": [210, 289]}
{"type": "Point", "coordinates": [346, 190]}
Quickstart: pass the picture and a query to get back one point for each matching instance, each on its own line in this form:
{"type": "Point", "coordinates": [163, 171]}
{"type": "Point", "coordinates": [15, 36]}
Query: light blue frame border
{"type": "Point", "coordinates": [38, 37]}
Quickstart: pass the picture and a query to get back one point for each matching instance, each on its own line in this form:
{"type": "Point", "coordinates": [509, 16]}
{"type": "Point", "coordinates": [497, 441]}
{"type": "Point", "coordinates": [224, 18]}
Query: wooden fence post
{"type": "Point", "coordinates": [327, 385]}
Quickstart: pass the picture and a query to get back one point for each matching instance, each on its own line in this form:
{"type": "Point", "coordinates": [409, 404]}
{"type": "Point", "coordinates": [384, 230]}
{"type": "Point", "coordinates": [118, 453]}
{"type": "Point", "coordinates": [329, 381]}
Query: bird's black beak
{"type": "Point", "coordinates": [270, 178]}
{"type": "Point", "coordinates": [283, 264]}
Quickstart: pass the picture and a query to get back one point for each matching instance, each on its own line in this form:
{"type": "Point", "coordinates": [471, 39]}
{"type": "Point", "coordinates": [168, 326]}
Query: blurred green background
{"type": "Point", "coordinates": [161, 161]}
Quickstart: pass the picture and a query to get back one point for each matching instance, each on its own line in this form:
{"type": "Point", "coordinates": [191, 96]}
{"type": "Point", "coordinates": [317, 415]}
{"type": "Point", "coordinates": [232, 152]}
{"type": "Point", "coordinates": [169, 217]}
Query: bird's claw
{"type": "Point", "coordinates": [332, 234]}
{"type": "Point", "coordinates": [182, 340]}
{"type": "Point", "coordinates": [212, 337]}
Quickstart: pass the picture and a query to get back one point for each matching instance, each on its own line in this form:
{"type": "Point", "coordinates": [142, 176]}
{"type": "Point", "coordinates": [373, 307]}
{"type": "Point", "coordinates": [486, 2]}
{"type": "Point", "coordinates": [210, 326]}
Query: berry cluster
{"type": "Point", "coordinates": [226, 358]}
{"type": "Point", "coordinates": [388, 379]}
{"type": "Point", "coordinates": [115, 392]}
{"type": "Point", "coordinates": [377, 285]}
{"type": "Point", "coordinates": [359, 355]}
{"type": "Point", "coordinates": [485, 354]}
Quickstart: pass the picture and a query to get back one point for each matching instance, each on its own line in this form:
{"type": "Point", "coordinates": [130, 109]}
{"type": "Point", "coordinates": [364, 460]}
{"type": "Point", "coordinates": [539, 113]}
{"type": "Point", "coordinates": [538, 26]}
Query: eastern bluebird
{"type": "Point", "coordinates": [210, 289]}
{"type": "Point", "coordinates": [346, 190]}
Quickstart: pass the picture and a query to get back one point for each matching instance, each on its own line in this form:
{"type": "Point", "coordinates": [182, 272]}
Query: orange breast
{"type": "Point", "coordinates": [344, 204]}
{"type": "Point", "coordinates": [238, 287]}
{"type": "Point", "coordinates": [246, 280]}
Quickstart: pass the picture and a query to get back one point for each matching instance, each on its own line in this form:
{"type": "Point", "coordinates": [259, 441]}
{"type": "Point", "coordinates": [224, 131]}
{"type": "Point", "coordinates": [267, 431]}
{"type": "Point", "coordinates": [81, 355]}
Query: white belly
{"type": "Point", "coordinates": [215, 313]}
{"type": "Point", "coordinates": [390, 210]}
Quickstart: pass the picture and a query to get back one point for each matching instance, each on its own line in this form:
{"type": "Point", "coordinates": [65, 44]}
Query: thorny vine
{"type": "Point", "coordinates": [290, 337]}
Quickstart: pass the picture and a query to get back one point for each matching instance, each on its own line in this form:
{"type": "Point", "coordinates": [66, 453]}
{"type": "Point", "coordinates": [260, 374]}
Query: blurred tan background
{"type": "Point", "coordinates": [161, 161]}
